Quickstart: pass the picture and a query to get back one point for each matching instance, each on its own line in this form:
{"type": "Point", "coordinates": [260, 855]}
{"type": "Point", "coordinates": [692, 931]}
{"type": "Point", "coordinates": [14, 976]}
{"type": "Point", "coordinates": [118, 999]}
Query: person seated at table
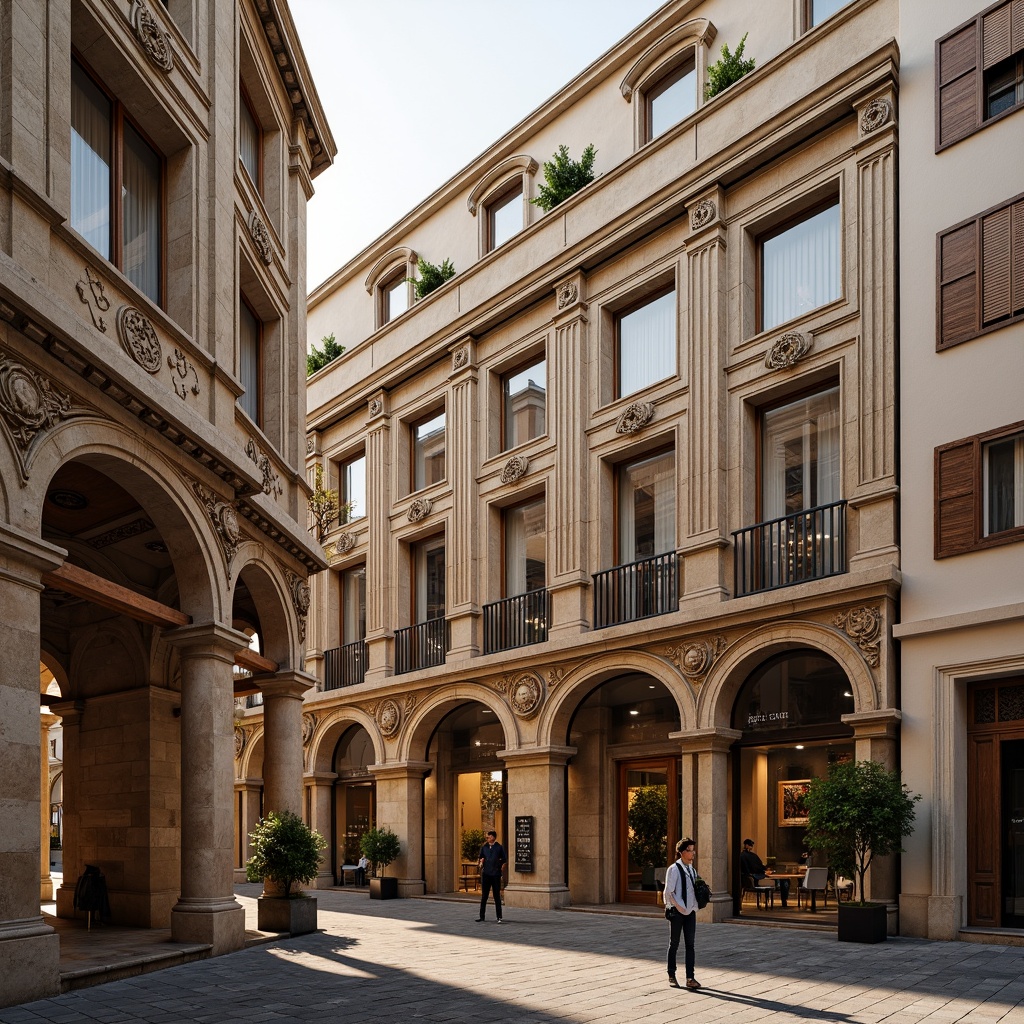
{"type": "Point", "coordinates": [364, 863]}
{"type": "Point", "coordinates": [751, 864]}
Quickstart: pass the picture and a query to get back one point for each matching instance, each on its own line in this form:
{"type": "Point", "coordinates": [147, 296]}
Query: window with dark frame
{"type": "Point", "coordinates": [671, 98]}
{"type": "Point", "coordinates": [645, 343]}
{"type": "Point", "coordinates": [394, 296]}
{"type": "Point", "coordinates": [525, 547]}
{"type": "Point", "coordinates": [505, 216]}
{"type": "Point", "coordinates": [1002, 463]}
{"type": "Point", "coordinates": [111, 158]}
{"type": "Point", "coordinates": [428, 579]}
{"type": "Point", "coordinates": [353, 599]}
{"type": "Point", "coordinates": [647, 507]}
{"type": "Point", "coordinates": [524, 404]}
{"type": "Point", "coordinates": [428, 455]}
{"type": "Point", "coordinates": [250, 361]}
{"type": "Point", "coordinates": [250, 140]}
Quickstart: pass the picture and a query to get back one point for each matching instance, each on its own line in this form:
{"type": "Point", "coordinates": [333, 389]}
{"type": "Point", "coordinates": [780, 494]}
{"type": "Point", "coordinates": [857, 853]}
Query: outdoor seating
{"type": "Point", "coordinates": [815, 881]}
{"type": "Point", "coordinates": [761, 890]}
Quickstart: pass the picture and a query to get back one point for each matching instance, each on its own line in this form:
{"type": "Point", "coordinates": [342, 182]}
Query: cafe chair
{"type": "Point", "coordinates": [842, 889]}
{"type": "Point", "coordinates": [765, 890]}
{"type": "Point", "coordinates": [815, 880]}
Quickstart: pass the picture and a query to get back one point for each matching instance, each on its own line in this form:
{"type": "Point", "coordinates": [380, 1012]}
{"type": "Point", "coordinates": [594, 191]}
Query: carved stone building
{"type": "Point", "coordinates": [155, 164]}
{"type": "Point", "coordinates": [624, 524]}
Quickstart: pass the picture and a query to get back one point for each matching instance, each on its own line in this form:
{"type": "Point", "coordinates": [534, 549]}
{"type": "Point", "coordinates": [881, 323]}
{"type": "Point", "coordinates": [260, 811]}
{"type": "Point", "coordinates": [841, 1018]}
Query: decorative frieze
{"type": "Point", "coordinates": [694, 659]}
{"type": "Point", "coordinates": [271, 480]}
{"type": "Point", "coordinates": [875, 115]}
{"type": "Point", "coordinates": [261, 238]}
{"type": "Point", "coordinates": [515, 469]}
{"type": "Point", "coordinates": [152, 38]}
{"type": "Point", "coordinates": [182, 370]}
{"type": "Point", "coordinates": [138, 338]}
{"type": "Point", "coordinates": [864, 627]}
{"type": "Point", "coordinates": [419, 509]}
{"type": "Point", "coordinates": [524, 692]}
{"type": "Point", "coordinates": [788, 350]}
{"type": "Point", "coordinates": [299, 590]}
{"type": "Point", "coordinates": [125, 531]}
{"type": "Point", "coordinates": [224, 519]}
{"type": "Point", "coordinates": [29, 403]}
{"type": "Point", "coordinates": [702, 213]}
{"type": "Point", "coordinates": [635, 418]}
{"type": "Point", "coordinates": [90, 291]}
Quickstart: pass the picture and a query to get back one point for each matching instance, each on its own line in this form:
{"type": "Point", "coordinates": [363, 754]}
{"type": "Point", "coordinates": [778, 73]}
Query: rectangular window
{"type": "Point", "coordinates": [428, 452]}
{"type": "Point", "coordinates": [1003, 468]}
{"type": "Point", "coordinates": [647, 507]}
{"type": "Point", "coordinates": [505, 217]}
{"type": "Point", "coordinates": [525, 546]}
{"type": "Point", "coordinates": [250, 345]}
{"type": "Point", "coordinates": [800, 267]}
{"type": "Point", "coordinates": [819, 10]}
{"type": "Point", "coordinates": [646, 344]}
{"type": "Point", "coordinates": [671, 99]}
{"type": "Point", "coordinates": [394, 298]}
{"type": "Point", "coordinates": [250, 140]}
{"type": "Point", "coordinates": [109, 158]}
{"type": "Point", "coordinates": [353, 598]}
{"type": "Point", "coordinates": [352, 476]}
{"type": "Point", "coordinates": [429, 578]}
{"type": "Point", "coordinates": [524, 400]}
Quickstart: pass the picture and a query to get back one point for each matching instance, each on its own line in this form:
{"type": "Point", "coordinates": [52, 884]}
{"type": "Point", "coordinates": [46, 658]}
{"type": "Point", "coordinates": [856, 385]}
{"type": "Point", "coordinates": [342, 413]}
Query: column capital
{"type": "Point", "coordinates": [69, 710]}
{"type": "Point", "coordinates": [533, 757]}
{"type": "Point", "coordinates": [292, 683]}
{"type": "Point", "coordinates": [706, 741]}
{"type": "Point", "coordinates": [400, 770]}
{"type": "Point", "coordinates": [24, 551]}
{"type": "Point", "coordinates": [209, 639]}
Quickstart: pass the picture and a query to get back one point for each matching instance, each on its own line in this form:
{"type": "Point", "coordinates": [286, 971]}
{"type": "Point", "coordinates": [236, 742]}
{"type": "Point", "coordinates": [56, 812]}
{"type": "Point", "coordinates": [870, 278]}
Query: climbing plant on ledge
{"type": "Point", "coordinates": [318, 358]}
{"type": "Point", "coordinates": [431, 276]}
{"type": "Point", "coordinates": [564, 177]}
{"type": "Point", "coordinates": [728, 69]}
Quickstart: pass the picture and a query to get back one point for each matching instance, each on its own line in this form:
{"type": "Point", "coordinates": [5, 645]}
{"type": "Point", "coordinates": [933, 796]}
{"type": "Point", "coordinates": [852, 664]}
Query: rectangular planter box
{"type": "Point", "coordinates": [862, 924]}
{"type": "Point", "coordinates": [294, 916]}
{"type": "Point", "coordinates": [383, 888]}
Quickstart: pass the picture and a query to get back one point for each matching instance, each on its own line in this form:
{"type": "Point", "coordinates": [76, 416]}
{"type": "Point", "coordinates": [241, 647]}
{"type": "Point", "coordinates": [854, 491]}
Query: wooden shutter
{"type": "Point", "coordinates": [1017, 248]}
{"type": "Point", "coordinates": [995, 36]}
{"type": "Point", "coordinates": [1002, 263]}
{"type": "Point", "coordinates": [958, 285]}
{"type": "Point", "coordinates": [958, 76]}
{"type": "Point", "coordinates": [955, 504]}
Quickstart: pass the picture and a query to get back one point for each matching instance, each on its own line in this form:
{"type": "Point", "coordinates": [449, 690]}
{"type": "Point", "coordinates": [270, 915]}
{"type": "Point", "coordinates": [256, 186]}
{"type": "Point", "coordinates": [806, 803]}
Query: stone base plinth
{"type": "Point", "coordinates": [535, 897]}
{"type": "Point", "coordinates": [29, 968]}
{"type": "Point", "coordinates": [223, 928]}
{"type": "Point", "coordinates": [295, 916]}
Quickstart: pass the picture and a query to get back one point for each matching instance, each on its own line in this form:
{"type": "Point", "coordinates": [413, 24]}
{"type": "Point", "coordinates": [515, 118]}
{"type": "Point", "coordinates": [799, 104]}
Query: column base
{"type": "Point", "coordinates": [719, 908]}
{"type": "Point", "coordinates": [411, 887]}
{"type": "Point", "coordinates": [219, 924]}
{"type": "Point", "coordinates": [535, 897]}
{"type": "Point", "coordinates": [29, 963]}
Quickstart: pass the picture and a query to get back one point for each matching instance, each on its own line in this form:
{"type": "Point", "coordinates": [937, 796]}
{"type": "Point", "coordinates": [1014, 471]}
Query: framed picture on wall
{"type": "Point", "coordinates": [792, 802]}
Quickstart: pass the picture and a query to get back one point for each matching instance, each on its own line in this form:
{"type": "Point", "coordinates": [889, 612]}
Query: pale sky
{"type": "Point", "coordinates": [414, 90]}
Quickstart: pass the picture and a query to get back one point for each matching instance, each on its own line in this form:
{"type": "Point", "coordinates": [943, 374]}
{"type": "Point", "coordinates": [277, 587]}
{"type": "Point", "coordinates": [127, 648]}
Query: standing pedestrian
{"type": "Point", "coordinates": [681, 910]}
{"type": "Point", "coordinates": [492, 860]}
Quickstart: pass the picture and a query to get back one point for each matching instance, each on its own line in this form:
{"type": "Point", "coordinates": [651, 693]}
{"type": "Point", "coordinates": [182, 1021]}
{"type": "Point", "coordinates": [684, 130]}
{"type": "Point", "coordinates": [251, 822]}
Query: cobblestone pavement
{"type": "Point", "coordinates": [407, 960]}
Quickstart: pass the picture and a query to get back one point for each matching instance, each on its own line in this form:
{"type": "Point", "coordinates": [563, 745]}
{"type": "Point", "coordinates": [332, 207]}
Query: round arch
{"type": "Point", "coordinates": [252, 752]}
{"type": "Point", "coordinates": [425, 718]}
{"type": "Point", "coordinates": [332, 727]}
{"type": "Point", "coordinates": [273, 605]}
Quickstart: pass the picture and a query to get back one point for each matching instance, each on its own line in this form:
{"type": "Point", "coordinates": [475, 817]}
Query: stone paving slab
{"type": "Point", "coordinates": [384, 962]}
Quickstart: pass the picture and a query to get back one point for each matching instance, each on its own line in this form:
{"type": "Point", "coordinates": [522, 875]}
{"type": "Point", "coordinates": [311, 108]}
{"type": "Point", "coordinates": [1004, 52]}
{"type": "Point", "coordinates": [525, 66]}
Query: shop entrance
{"type": "Point", "coordinates": [648, 826]}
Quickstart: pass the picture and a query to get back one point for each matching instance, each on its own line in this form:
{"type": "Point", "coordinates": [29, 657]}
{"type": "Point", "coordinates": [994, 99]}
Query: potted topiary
{"type": "Point", "coordinates": [860, 810]}
{"type": "Point", "coordinates": [381, 846]}
{"type": "Point", "coordinates": [285, 851]}
{"type": "Point", "coordinates": [647, 843]}
{"type": "Point", "coordinates": [472, 840]}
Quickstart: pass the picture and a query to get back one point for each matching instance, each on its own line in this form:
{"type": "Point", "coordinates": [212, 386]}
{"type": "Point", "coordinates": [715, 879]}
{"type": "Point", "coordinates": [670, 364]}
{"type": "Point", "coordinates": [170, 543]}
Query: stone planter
{"type": "Point", "coordinates": [862, 923]}
{"type": "Point", "coordinates": [383, 888]}
{"type": "Point", "coordinates": [296, 916]}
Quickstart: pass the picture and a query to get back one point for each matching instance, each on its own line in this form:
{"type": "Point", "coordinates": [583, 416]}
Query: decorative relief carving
{"type": "Point", "coordinates": [28, 402]}
{"type": "Point", "coordinates": [524, 692]}
{"type": "Point", "coordinates": [224, 519]}
{"type": "Point", "coordinates": [788, 350]}
{"type": "Point", "coordinates": [389, 717]}
{"type": "Point", "coordinates": [635, 418]}
{"type": "Point", "coordinates": [183, 369]}
{"type": "Point", "coordinates": [702, 213]}
{"type": "Point", "coordinates": [409, 703]}
{"type": "Point", "coordinates": [345, 543]}
{"type": "Point", "coordinates": [376, 406]}
{"type": "Point", "coordinates": [460, 358]}
{"type": "Point", "coordinates": [567, 293]}
{"type": "Point", "coordinates": [515, 469]}
{"type": "Point", "coordinates": [153, 39]}
{"type": "Point", "coordinates": [299, 590]}
{"type": "Point", "coordinates": [311, 444]}
{"type": "Point", "coordinates": [864, 627]}
{"type": "Point", "coordinates": [261, 238]}
{"type": "Point", "coordinates": [555, 676]}
{"type": "Point", "coordinates": [240, 738]}
{"type": "Point", "coordinates": [271, 481]}
{"type": "Point", "coordinates": [138, 338]}
{"type": "Point", "coordinates": [419, 509]}
{"type": "Point", "coordinates": [90, 291]}
{"type": "Point", "coordinates": [695, 658]}
{"type": "Point", "coordinates": [122, 532]}
{"type": "Point", "coordinates": [875, 115]}
{"type": "Point", "coordinates": [308, 725]}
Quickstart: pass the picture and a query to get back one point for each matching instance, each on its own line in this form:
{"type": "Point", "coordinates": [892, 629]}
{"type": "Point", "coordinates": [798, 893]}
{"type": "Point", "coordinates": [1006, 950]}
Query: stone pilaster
{"type": "Point", "coordinates": [568, 504]}
{"type": "Point", "coordinates": [320, 789]}
{"type": "Point", "coordinates": [282, 739]}
{"type": "Point", "coordinates": [380, 587]}
{"type": "Point", "coordinates": [536, 787]}
{"type": "Point", "coordinates": [70, 713]}
{"type": "Point", "coordinates": [206, 910]}
{"type": "Point", "coordinates": [247, 794]}
{"type": "Point", "coordinates": [400, 808]}
{"type": "Point", "coordinates": [46, 721]}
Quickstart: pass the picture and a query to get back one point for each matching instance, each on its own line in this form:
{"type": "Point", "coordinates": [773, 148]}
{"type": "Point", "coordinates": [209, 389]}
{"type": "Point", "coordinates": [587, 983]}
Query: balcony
{"type": "Point", "coordinates": [421, 646]}
{"type": "Point", "coordinates": [636, 591]}
{"type": "Point", "coordinates": [345, 666]}
{"type": "Point", "coordinates": [516, 622]}
{"type": "Point", "coordinates": [808, 545]}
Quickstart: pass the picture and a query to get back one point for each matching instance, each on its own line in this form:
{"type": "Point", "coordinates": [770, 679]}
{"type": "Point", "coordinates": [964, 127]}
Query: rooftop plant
{"type": "Point", "coordinates": [318, 358]}
{"type": "Point", "coordinates": [729, 68]}
{"type": "Point", "coordinates": [564, 177]}
{"type": "Point", "coordinates": [431, 276]}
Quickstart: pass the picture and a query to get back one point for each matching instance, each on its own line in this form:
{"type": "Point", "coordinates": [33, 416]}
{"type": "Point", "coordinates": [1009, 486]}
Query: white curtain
{"type": "Point", "coordinates": [248, 140]}
{"type": "Point", "coordinates": [90, 162]}
{"type": "Point", "coordinates": [515, 552]}
{"type": "Point", "coordinates": [249, 360]}
{"type": "Point", "coordinates": [141, 212]}
{"type": "Point", "coordinates": [647, 508]}
{"type": "Point", "coordinates": [647, 344]}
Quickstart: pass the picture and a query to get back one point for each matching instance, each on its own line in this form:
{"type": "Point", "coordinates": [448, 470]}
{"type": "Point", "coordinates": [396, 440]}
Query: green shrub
{"type": "Point", "coordinates": [564, 177]}
{"type": "Point", "coordinates": [729, 68]}
{"type": "Point", "coordinates": [381, 846]}
{"type": "Point", "coordinates": [431, 276]}
{"type": "Point", "coordinates": [472, 840]}
{"type": "Point", "coordinates": [647, 820]}
{"type": "Point", "coordinates": [285, 850]}
{"type": "Point", "coordinates": [318, 358]}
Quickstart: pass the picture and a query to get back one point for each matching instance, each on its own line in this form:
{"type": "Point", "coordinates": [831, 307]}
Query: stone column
{"type": "Point", "coordinates": [380, 587]}
{"type": "Point", "coordinates": [400, 808]}
{"type": "Point", "coordinates": [536, 787]}
{"type": "Point", "coordinates": [282, 739]}
{"type": "Point", "coordinates": [29, 948]}
{"type": "Point", "coordinates": [71, 722]}
{"type": "Point", "coordinates": [569, 500]}
{"type": "Point", "coordinates": [248, 796]}
{"type": "Point", "coordinates": [206, 910]}
{"type": "Point", "coordinates": [320, 796]}
{"type": "Point", "coordinates": [706, 804]}
{"type": "Point", "coordinates": [463, 543]}
{"type": "Point", "coordinates": [46, 721]}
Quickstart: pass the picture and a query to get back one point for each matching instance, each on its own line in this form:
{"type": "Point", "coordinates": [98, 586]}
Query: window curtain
{"type": "Point", "coordinates": [429, 571]}
{"type": "Point", "coordinates": [647, 344]}
{"type": "Point", "coordinates": [249, 360]}
{"type": "Point", "coordinates": [354, 596]}
{"type": "Point", "coordinates": [248, 141]}
{"type": "Point", "coordinates": [800, 268]}
{"type": "Point", "coordinates": [1004, 485]}
{"type": "Point", "coordinates": [141, 212]}
{"type": "Point", "coordinates": [355, 487]}
{"type": "Point", "coordinates": [90, 162]}
{"type": "Point", "coordinates": [515, 552]}
{"type": "Point", "coordinates": [647, 508]}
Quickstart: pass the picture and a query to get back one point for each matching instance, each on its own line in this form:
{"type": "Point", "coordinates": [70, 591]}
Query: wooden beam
{"type": "Point", "coordinates": [82, 583]}
{"type": "Point", "coordinates": [255, 663]}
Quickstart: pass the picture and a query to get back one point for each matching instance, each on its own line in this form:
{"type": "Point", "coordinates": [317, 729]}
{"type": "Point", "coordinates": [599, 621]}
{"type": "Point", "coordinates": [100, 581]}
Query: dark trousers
{"type": "Point", "coordinates": [487, 883]}
{"type": "Point", "coordinates": [685, 925]}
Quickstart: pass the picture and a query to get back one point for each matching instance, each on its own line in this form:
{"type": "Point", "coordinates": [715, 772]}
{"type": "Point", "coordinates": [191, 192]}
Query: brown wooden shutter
{"type": "Point", "coordinates": [995, 36]}
{"type": "Point", "coordinates": [1017, 250]}
{"type": "Point", "coordinates": [995, 266]}
{"type": "Point", "coordinates": [1017, 26]}
{"type": "Point", "coordinates": [958, 285]}
{"type": "Point", "coordinates": [959, 85]}
{"type": "Point", "coordinates": [955, 504]}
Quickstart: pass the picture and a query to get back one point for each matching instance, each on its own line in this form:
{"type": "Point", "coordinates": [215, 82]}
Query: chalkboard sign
{"type": "Point", "coordinates": [524, 843]}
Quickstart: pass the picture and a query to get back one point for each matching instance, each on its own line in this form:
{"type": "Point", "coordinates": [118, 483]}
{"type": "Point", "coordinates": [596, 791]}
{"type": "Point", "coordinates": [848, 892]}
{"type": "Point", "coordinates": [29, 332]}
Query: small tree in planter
{"type": "Point", "coordinates": [431, 276]}
{"type": "Point", "coordinates": [647, 820]}
{"type": "Point", "coordinates": [381, 846]}
{"type": "Point", "coordinates": [564, 177]}
{"type": "Point", "coordinates": [860, 810]}
{"type": "Point", "coordinates": [728, 69]}
{"type": "Point", "coordinates": [472, 840]}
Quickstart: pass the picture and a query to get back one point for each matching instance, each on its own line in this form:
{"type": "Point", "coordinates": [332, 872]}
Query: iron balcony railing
{"type": "Point", "coordinates": [254, 700]}
{"type": "Point", "coordinates": [808, 545]}
{"type": "Point", "coordinates": [516, 621]}
{"type": "Point", "coordinates": [421, 646]}
{"type": "Point", "coordinates": [636, 591]}
{"type": "Point", "coordinates": [345, 666]}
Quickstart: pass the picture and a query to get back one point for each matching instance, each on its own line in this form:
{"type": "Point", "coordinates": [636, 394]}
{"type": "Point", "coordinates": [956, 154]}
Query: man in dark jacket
{"type": "Point", "coordinates": [751, 864]}
{"type": "Point", "coordinates": [492, 860]}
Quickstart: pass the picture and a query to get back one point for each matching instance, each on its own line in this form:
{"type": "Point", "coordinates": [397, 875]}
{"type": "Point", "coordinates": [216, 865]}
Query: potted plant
{"type": "Point", "coordinates": [381, 846]}
{"type": "Point", "coordinates": [472, 840]}
{"type": "Point", "coordinates": [859, 811]}
{"type": "Point", "coordinates": [564, 177]}
{"type": "Point", "coordinates": [647, 844]}
{"type": "Point", "coordinates": [728, 69]}
{"type": "Point", "coordinates": [285, 851]}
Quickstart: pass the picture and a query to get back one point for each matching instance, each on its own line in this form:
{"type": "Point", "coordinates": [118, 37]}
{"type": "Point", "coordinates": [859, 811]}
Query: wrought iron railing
{"type": "Point", "coordinates": [516, 621]}
{"type": "Point", "coordinates": [808, 545]}
{"type": "Point", "coordinates": [345, 666]}
{"type": "Point", "coordinates": [254, 700]}
{"type": "Point", "coordinates": [636, 591]}
{"type": "Point", "coordinates": [421, 646]}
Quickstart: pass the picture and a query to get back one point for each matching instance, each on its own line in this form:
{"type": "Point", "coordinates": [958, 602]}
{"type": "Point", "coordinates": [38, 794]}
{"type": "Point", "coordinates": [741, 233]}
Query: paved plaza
{"type": "Point", "coordinates": [405, 960]}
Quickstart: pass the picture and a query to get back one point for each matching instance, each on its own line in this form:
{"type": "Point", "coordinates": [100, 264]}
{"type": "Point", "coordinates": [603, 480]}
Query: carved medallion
{"type": "Point", "coordinates": [28, 402]}
{"type": "Point", "coordinates": [864, 627]}
{"type": "Point", "coordinates": [515, 469]}
{"type": "Point", "coordinates": [224, 519]}
{"type": "Point", "coordinates": [308, 725]}
{"type": "Point", "coordinates": [261, 238]}
{"type": "Point", "coordinates": [153, 39]}
{"type": "Point", "coordinates": [389, 717]}
{"type": "Point", "coordinates": [419, 509]}
{"type": "Point", "coordinates": [376, 406]}
{"type": "Point", "coordinates": [299, 590]}
{"type": "Point", "coordinates": [346, 542]}
{"type": "Point", "coordinates": [695, 658]}
{"type": "Point", "coordinates": [183, 370]}
{"type": "Point", "coordinates": [90, 291]}
{"type": "Point", "coordinates": [138, 338]}
{"type": "Point", "coordinates": [703, 213]}
{"type": "Point", "coordinates": [635, 418]}
{"type": "Point", "coordinates": [568, 293]}
{"type": "Point", "coordinates": [460, 358]}
{"type": "Point", "coordinates": [524, 693]}
{"type": "Point", "coordinates": [875, 115]}
{"type": "Point", "coordinates": [311, 444]}
{"type": "Point", "coordinates": [239, 741]}
{"type": "Point", "coordinates": [271, 481]}
{"type": "Point", "coordinates": [788, 350]}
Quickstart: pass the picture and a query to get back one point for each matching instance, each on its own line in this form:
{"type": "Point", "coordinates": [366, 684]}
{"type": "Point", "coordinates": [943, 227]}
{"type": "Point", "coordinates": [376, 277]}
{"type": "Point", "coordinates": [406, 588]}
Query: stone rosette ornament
{"type": "Point", "coordinates": [376, 407]}
{"type": "Point", "coordinates": [138, 338]}
{"type": "Point", "coordinates": [152, 38]}
{"type": "Point", "coordinates": [702, 213]}
{"type": "Point", "coordinates": [308, 725]}
{"type": "Point", "coordinates": [419, 509]}
{"type": "Point", "coordinates": [460, 358]}
{"type": "Point", "coordinates": [345, 543]}
{"type": "Point", "coordinates": [524, 692]}
{"type": "Point", "coordinates": [875, 115]}
{"type": "Point", "coordinates": [515, 469]}
{"type": "Point", "coordinates": [635, 418]}
{"type": "Point", "coordinates": [788, 350]}
{"type": "Point", "coordinates": [389, 717]}
{"type": "Point", "coordinates": [567, 293]}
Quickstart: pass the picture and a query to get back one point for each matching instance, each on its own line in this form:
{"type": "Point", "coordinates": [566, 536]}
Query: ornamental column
{"type": "Point", "coordinates": [282, 739]}
{"type": "Point", "coordinates": [206, 910]}
{"type": "Point", "coordinates": [400, 808]}
{"type": "Point", "coordinates": [380, 586]}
